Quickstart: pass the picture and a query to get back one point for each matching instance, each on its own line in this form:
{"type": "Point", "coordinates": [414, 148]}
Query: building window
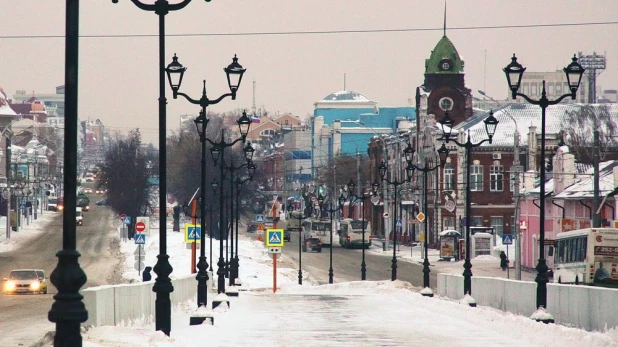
{"type": "Point", "coordinates": [449, 223]}
{"type": "Point", "coordinates": [533, 89]}
{"type": "Point", "coordinates": [476, 178]}
{"type": "Point", "coordinates": [550, 88]}
{"type": "Point", "coordinates": [496, 178]}
{"type": "Point", "coordinates": [477, 221]}
{"type": "Point", "coordinates": [449, 176]}
{"type": "Point", "coordinates": [526, 88]}
{"type": "Point", "coordinates": [498, 224]}
{"type": "Point", "coordinates": [558, 88]}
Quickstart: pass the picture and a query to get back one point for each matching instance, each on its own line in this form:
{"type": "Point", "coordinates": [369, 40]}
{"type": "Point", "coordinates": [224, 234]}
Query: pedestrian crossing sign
{"type": "Point", "coordinates": [259, 218]}
{"type": "Point", "coordinates": [274, 237]}
{"type": "Point", "coordinates": [140, 239]}
{"type": "Point", "coordinates": [193, 232]}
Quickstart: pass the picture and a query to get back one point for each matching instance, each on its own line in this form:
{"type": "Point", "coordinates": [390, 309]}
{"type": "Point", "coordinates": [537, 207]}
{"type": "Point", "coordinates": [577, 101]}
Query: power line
{"type": "Point", "coordinates": [321, 32]}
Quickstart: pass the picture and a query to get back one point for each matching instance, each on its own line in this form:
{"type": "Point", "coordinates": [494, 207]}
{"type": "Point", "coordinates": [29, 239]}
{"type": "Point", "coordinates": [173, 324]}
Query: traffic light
{"type": "Point", "coordinates": [321, 190]}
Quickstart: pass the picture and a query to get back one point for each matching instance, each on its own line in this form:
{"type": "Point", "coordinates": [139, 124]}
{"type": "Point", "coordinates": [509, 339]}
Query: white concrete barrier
{"type": "Point", "coordinates": [585, 307]}
{"type": "Point", "coordinates": [121, 304]}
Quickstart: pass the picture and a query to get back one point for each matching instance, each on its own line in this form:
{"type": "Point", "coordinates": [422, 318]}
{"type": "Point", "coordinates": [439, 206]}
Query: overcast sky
{"type": "Point", "coordinates": [118, 76]}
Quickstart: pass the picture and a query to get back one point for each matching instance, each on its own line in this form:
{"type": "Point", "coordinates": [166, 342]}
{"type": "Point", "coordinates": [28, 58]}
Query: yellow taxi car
{"type": "Point", "coordinates": [25, 281]}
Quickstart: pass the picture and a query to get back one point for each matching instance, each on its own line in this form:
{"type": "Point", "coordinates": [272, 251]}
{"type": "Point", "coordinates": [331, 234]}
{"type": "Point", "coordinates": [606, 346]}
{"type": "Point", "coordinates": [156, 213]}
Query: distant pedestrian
{"type": "Point", "coordinates": [146, 276]}
{"type": "Point", "coordinates": [503, 261]}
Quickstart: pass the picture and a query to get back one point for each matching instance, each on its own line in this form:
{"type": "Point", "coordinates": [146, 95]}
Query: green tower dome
{"type": "Point", "coordinates": [444, 59]}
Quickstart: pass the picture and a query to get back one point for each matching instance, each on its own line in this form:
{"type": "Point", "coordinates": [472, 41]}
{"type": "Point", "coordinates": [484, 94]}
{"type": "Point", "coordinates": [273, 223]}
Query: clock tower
{"type": "Point", "coordinates": [444, 82]}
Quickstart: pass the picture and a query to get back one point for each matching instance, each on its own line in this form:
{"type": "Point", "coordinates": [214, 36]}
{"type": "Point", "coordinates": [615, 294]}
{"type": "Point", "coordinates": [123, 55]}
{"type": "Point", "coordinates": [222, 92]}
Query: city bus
{"type": "Point", "coordinates": [318, 228]}
{"type": "Point", "coordinates": [587, 256]}
{"type": "Point", "coordinates": [351, 233]}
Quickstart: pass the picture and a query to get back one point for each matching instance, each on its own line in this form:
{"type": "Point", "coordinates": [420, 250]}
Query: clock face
{"type": "Point", "coordinates": [446, 104]}
{"type": "Point", "coordinates": [445, 65]}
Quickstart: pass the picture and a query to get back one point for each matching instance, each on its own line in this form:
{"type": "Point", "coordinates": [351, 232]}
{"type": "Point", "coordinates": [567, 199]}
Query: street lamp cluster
{"type": "Point", "coordinates": [514, 72]}
{"type": "Point", "coordinates": [234, 72]}
{"type": "Point", "coordinates": [425, 168]}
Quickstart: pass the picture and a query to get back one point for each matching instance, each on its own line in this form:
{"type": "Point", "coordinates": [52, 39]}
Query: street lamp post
{"type": "Point", "coordinates": [68, 310]}
{"type": "Point", "coordinates": [217, 151]}
{"type": "Point", "coordinates": [426, 169]}
{"type": "Point", "coordinates": [331, 211]}
{"type": "Point", "coordinates": [211, 209]}
{"type": "Point", "coordinates": [383, 169]}
{"type": "Point", "coordinates": [163, 284]}
{"type": "Point", "coordinates": [306, 192]}
{"type": "Point", "coordinates": [490, 128]}
{"type": "Point", "coordinates": [235, 179]}
{"type": "Point", "coordinates": [175, 72]}
{"type": "Point", "coordinates": [239, 182]}
{"type": "Point", "coordinates": [514, 72]}
{"type": "Point", "coordinates": [353, 198]}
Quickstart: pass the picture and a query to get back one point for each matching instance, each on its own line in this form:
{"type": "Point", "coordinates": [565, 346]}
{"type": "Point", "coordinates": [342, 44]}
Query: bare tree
{"type": "Point", "coordinates": [126, 172]}
{"type": "Point", "coordinates": [582, 121]}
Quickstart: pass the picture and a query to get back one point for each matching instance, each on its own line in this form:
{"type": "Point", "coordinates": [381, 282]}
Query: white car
{"type": "Point", "coordinates": [79, 216]}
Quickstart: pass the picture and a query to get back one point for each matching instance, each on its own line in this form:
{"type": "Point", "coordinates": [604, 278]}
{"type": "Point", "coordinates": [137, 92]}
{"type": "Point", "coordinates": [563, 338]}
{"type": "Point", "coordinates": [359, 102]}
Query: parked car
{"type": "Point", "coordinates": [25, 281]}
{"type": "Point", "coordinates": [79, 216]}
{"type": "Point", "coordinates": [287, 235]}
{"type": "Point", "coordinates": [87, 190]}
{"type": "Point", "coordinates": [252, 227]}
{"type": "Point", "coordinates": [312, 244]}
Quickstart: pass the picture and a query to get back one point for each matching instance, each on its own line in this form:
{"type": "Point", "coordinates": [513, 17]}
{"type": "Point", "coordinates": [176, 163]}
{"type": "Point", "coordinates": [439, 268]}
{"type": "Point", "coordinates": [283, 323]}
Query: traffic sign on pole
{"type": "Point", "coordinates": [507, 239]}
{"type": "Point", "coordinates": [193, 233]}
{"type": "Point", "coordinates": [140, 239]}
{"type": "Point", "coordinates": [123, 216]}
{"type": "Point", "coordinates": [146, 221]}
{"type": "Point", "coordinates": [140, 227]}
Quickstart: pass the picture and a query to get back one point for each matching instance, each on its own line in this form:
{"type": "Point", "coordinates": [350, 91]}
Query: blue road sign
{"type": "Point", "coordinates": [140, 239]}
{"type": "Point", "coordinates": [126, 220]}
{"type": "Point", "coordinates": [507, 239]}
{"type": "Point", "coordinates": [193, 233]}
{"type": "Point", "coordinates": [274, 238]}
{"type": "Point", "coordinates": [398, 223]}
{"type": "Point", "coordinates": [259, 218]}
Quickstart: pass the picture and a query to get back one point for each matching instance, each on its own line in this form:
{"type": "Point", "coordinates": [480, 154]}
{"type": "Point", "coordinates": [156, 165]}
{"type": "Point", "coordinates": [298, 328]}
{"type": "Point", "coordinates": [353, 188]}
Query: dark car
{"type": "Point", "coordinates": [287, 235]}
{"type": "Point", "coordinates": [252, 227]}
{"type": "Point", "coordinates": [102, 202]}
{"type": "Point", "coordinates": [312, 244]}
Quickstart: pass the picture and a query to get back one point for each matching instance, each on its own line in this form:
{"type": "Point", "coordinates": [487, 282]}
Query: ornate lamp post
{"type": "Point", "coordinates": [331, 211]}
{"type": "Point", "coordinates": [383, 169]}
{"type": "Point", "coordinates": [353, 198]}
{"type": "Point", "coordinates": [234, 261]}
{"type": "Point", "coordinates": [490, 128]}
{"type": "Point", "coordinates": [163, 285]}
{"type": "Point", "coordinates": [307, 191]}
{"type": "Point", "coordinates": [175, 72]}
{"type": "Point", "coordinates": [514, 72]}
{"type": "Point", "coordinates": [217, 151]}
{"type": "Point", "coordinates": [211, 209]}
{"type": "Point", "coordinates": [426, 169]}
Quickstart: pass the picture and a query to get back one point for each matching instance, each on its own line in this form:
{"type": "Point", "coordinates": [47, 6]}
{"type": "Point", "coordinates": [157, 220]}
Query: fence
{"type": "Point", "coordinates": [121, 304]}
{"type": "Point", "coordinates": [584, 307]}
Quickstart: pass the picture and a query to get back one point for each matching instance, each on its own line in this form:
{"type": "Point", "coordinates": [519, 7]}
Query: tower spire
{"type": "Point", "coordinates": [444, 33]}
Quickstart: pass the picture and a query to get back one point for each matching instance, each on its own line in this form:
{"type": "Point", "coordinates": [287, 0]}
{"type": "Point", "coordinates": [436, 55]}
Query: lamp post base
{"type": "Point", "coordinates": [427, 292]}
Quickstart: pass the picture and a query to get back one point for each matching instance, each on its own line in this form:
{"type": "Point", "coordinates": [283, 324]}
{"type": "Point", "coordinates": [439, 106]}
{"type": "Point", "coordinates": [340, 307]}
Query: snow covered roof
{"type": "Point", "coordinates": [521, 116]}
{"type": "Point", "coordinates": [584, 189]}
{"type": "Point", "coordinates": [346, 95]}
{"type": "Point", "coordinates": [5, 109]}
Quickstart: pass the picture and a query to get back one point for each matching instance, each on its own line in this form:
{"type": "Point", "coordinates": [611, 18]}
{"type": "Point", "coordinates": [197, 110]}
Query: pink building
{"type": "Point", "coordinates": [568, 203]}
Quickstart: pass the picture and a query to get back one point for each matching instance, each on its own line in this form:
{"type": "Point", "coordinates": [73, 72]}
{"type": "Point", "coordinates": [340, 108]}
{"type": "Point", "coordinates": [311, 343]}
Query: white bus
{"type": "Point", "coordinates": [318, 228]}
{"type": "Point", "coordinates": [587, 256]}
{"type": "Point", "coordinates": [351, 233]}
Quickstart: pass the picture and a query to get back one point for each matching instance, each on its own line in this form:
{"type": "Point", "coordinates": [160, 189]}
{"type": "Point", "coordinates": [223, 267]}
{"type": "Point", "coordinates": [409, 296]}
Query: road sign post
{"type": "Point", "coordinates": [507, 239]}
{"type": "Point", "coordinates": [274, 239]}
{"type": "Point", "coordinates": [146, 222]}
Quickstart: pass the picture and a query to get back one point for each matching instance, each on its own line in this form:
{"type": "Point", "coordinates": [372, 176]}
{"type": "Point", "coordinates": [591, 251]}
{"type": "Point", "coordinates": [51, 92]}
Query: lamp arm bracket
{"type": "Point", "coordinates": [191, 100]}
{"type": "Point", "coordinates": [216, 101]}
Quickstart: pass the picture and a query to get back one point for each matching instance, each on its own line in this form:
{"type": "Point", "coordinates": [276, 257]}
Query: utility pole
{"type": "Point", "coordinates": [516, 195]}
{"type": "Point", "coordinates": [596, 217]}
